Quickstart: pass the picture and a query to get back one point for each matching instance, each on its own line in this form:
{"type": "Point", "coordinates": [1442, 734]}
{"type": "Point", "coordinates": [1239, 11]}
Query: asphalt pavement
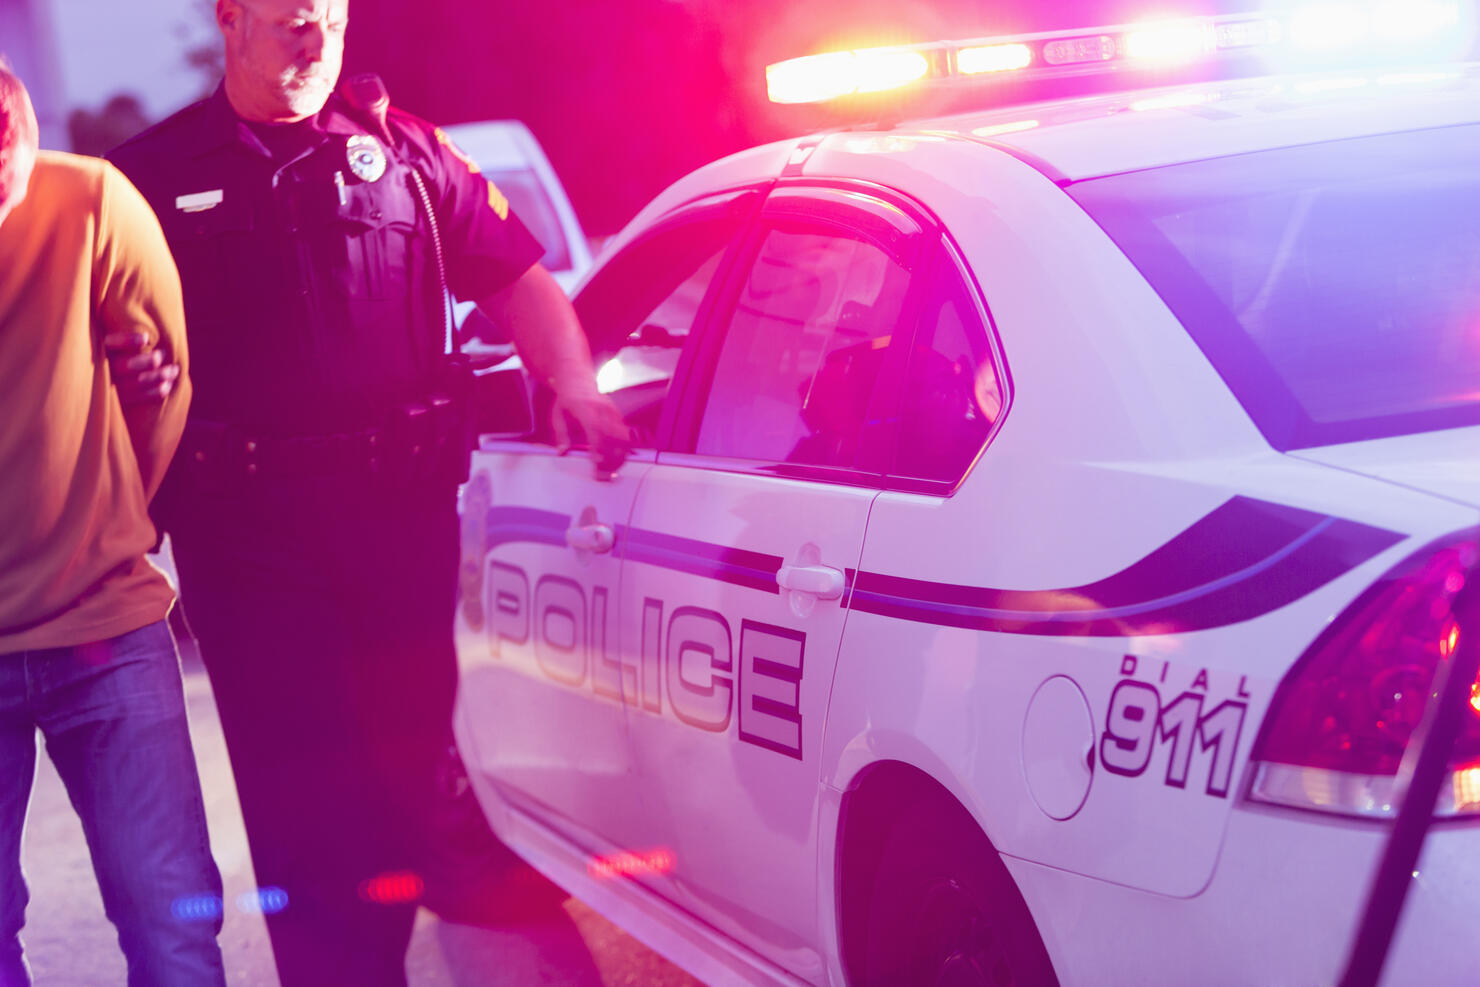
{"type": "Point", "coordinates": [70, 943]}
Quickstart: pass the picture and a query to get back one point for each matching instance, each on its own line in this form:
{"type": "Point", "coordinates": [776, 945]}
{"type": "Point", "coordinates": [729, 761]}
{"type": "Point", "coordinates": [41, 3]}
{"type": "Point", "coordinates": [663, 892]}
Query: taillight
{"type": "Point", "coordinates": [1339, 723]}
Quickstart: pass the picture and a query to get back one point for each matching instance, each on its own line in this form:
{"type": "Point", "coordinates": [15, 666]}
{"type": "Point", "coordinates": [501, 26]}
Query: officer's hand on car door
{"type": "Point", "coordinates": [608, 438]}
{"type": "Point", "coordinates": [140, 374]}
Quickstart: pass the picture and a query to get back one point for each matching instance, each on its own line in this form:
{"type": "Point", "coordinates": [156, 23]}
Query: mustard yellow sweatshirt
{"type": "Point", "coordinates": [81, 256]}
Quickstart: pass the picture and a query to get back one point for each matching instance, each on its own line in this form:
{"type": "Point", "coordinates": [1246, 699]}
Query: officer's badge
{"type": "Point", "coordinates": [366, 157]}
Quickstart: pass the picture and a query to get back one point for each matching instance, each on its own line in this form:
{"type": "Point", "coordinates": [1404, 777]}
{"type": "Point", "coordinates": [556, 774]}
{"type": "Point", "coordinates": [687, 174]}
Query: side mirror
{"type": "Point", "coordinates": [500, 403]}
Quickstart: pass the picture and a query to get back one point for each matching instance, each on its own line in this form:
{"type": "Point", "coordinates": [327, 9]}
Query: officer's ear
{"type": "Point", "coordinates": [228, 15]}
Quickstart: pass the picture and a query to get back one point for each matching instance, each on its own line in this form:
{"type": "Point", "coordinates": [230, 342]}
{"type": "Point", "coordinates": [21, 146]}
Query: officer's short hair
{"type": "Point", "coordinates": [18, 129]}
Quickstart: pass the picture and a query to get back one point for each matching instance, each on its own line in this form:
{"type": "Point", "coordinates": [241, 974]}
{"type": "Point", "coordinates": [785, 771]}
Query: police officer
{"type": "Point", "coordinates": [312, 507]}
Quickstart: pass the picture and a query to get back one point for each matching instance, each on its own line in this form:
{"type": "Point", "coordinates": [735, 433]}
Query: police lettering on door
{"type": "Point", "coordinates": [687, 662]}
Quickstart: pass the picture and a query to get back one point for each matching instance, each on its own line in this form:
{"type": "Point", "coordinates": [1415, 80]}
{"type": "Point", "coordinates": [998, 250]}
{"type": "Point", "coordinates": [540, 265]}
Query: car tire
{"type": "Point", "coordinates": [944, 912]}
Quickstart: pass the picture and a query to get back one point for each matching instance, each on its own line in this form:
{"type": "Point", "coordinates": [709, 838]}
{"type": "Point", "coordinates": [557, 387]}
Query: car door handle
{"type": "Point", "coordinates": [592, 537]}
{"type": "Point", "coordinates": [823, 582]}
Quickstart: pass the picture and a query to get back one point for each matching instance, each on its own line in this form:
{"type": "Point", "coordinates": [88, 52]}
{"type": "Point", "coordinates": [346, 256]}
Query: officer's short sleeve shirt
{"type": "Point", "coordinates": [311, 281]}
{"type": "Point", "coordinates": [489, 247]}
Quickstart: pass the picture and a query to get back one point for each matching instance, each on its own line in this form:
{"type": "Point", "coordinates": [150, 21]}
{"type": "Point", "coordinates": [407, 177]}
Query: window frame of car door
{"type": "Point", "coordinates": [949, 263]}
{"type": "Point", "coordinates": [847, 208]}
{"type": "Point", "coordinates": [743, 203]}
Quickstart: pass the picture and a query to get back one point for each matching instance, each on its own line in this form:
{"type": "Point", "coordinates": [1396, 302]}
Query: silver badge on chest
{"type": "Point", "coordinates": [366, 158]}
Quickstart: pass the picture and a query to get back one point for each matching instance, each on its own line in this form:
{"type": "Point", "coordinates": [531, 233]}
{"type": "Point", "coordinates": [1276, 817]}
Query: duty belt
{"type": "Point", "coordinates": [420, 437]}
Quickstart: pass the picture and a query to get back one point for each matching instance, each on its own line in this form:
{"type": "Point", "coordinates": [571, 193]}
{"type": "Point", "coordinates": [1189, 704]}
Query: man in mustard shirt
{"type": "Point", "coordinates": [85, 653]}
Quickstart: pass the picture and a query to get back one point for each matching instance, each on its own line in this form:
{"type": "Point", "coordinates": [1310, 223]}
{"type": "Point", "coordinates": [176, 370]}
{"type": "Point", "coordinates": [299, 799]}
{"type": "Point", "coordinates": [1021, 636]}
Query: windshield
{"type": "Point", "coordinates": [1334, 286]}
{"type": "Point", "coordinates": [530, 202]}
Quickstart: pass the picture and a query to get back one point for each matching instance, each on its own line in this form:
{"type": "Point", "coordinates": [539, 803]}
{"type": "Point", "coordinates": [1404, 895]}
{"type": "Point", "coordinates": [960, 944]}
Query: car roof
{"type": "Point", "coordinates": [1092, 136]}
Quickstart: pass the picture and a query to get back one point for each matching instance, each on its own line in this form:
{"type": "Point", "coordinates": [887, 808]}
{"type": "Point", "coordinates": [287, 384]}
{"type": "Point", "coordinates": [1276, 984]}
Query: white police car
{"type": "Point", "coordinates": [1044, 532]}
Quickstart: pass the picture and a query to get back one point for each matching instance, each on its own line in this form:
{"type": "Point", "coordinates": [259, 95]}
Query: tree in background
{"type": "Point", "coordinates": [205, 52]}
{"type": "Point", "coordinates": [123, 116]}
{"type": "Point", "coordinates": [97, 133]}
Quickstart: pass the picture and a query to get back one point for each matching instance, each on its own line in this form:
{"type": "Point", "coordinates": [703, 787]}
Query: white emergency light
{"type": "Point", "coordinates": [1375, 27]}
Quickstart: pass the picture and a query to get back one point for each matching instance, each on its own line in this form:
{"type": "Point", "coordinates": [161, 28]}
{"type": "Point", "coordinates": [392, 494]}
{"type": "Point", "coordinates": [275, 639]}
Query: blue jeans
{"type": "Point", "coordinates": [113, 715]}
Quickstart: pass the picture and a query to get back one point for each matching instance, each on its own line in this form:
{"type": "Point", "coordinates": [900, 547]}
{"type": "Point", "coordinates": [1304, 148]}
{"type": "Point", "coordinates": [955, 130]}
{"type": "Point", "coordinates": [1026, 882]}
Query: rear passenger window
{"type": "Point", "coordinates": [798, 372]}
{"type": "Point", "coordinates": [952, 394]}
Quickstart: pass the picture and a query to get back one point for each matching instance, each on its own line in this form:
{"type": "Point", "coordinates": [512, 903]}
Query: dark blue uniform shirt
{"type": "Point", "coordinates": [311, 292]}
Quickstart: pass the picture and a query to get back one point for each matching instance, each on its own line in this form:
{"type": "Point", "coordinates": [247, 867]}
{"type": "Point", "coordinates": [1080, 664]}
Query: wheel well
{"type": "Point", "coordinates": [867, 812]}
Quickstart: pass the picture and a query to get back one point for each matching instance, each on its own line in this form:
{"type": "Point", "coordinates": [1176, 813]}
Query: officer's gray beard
{"type": "Point", "coordinates": [305, 94]}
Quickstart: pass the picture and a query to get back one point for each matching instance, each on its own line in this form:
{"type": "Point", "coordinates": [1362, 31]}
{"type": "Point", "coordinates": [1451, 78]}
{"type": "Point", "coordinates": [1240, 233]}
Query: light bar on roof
{"type": "Point", "coordinates": [1319, 28]}
{"type": "Point", "coordinates": [888, 68]}
{"type": "Point", "coordinates": [1329, 26]}
{"type": "Point", "coordinates": [1258, 33]}
{"type": "Point", "coordinates": [1175, 41]}
{"type": "Point", "coordinates": [818, 78]}
{"type": "Point", "coordinates": [993, 58]}
{"type": "Point", "coordinates": [1076, 51]}
{"type": "Point", "coordinates": [814, 79]}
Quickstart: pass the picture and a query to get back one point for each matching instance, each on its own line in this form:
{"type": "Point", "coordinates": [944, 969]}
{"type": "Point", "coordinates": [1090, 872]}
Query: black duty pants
{"type": "Point", "coordinates": [324, 613]}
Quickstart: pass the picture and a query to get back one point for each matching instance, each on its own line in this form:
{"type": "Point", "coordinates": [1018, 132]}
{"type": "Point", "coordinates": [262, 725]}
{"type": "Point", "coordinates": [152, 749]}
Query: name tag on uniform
{"type": "Point", "coordinates": [200, 201]}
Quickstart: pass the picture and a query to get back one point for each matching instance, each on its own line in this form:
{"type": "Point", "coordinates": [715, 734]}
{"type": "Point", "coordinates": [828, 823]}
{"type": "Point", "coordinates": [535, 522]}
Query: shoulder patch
{"type": "Point", "coordinates": [456, 151]}
{"type": "Point", "coordinates": [497, 201]}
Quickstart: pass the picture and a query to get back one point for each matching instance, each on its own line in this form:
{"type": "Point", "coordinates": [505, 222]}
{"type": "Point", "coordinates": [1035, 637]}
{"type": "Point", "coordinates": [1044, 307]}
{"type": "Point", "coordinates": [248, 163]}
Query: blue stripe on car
{"type": "Point", "coordinates": [1244, 559]}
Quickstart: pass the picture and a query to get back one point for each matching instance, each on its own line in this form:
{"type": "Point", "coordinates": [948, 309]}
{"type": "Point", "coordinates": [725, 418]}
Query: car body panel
{"type": "Point", "coordinates": [1100, 932]}
{"type": "Point", "coordinates": [1441, 462]}
{"type": "Point", "coordinates": [524, 628]}
{"type": "Point", "coordinates": [629, 903]}
{"type": "Point", "coordinates": [952, 701]}
{"type": "Point", "coordinates": [728, 792]}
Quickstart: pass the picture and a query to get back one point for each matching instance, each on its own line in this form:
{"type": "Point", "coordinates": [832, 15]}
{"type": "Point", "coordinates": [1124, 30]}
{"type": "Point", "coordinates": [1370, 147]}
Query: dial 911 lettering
{"type": "Point", "coordinates": [1136, 723]}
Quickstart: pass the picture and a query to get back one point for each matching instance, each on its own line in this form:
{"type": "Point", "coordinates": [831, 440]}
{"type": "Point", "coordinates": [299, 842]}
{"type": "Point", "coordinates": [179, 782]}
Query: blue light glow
{"type": "Point", "coordinates": [1421, 28]}
{"type": "Point", "coordinates": [197, 908]}
{"type": "Point", "coordinates": [266, 901]}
